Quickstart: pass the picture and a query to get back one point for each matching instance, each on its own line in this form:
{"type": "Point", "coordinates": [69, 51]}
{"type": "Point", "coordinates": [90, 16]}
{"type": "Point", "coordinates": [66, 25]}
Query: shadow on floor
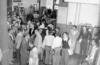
{"type": "Point", "coordinates": [73, 60]}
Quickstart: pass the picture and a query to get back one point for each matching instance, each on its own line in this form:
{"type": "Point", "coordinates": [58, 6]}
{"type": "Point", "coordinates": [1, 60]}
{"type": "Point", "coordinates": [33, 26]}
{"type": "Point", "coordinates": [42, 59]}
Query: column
{"type": "Point", "coordinates": [72, 9]}
{"type": "Point", "coordinates": [4, 40]}
{"type": "Point", "coordinates": [78, 9]}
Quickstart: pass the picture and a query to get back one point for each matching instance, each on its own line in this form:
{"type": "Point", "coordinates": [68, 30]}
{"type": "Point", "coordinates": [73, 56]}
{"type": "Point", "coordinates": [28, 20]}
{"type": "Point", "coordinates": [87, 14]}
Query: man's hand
{"type": "Point", "coordinates": [52, 51]}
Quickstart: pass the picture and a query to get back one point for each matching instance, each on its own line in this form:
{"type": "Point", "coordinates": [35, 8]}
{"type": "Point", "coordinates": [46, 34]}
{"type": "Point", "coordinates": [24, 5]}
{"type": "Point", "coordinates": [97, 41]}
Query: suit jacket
{"type": "Point", "coordinates": [24, 48]}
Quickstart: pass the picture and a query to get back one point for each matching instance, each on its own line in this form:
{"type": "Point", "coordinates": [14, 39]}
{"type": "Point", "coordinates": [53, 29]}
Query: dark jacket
{"type": "Point", "coordinates": [24, 48]}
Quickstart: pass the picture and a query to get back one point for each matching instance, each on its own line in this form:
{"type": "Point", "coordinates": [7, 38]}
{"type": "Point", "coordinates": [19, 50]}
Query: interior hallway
{"type": "Point", "coordinates": [4, 40]}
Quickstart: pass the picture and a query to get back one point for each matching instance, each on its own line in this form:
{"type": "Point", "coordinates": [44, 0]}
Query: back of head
{"type": "Point", "coordinates": [58, 34]}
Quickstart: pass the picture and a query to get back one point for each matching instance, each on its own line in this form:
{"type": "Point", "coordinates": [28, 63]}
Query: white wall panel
{"type": "Point", "coordinates": [72, 8]}
{"type": "Point", "coordinates": [49, 4]}
{"type": "Point", "coordinates": [89, 14]}
{"type": "Point", "coordinates": [27, 3]}
{"type": "Point", "coordinates": [84, 1]}
{"type": "Point", "coordinates": [62, 15]}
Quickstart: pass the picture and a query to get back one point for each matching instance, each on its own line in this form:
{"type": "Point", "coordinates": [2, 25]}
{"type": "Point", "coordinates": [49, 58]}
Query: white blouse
{"type": "Point", "coordinates": [33, 58]}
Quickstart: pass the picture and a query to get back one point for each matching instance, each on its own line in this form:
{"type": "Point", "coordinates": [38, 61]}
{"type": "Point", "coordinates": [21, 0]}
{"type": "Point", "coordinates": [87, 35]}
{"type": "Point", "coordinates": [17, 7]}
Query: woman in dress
{"type": "Point", "coordinates": [84, 38]}
{"type": "Point", "coordinates": [74, 33]}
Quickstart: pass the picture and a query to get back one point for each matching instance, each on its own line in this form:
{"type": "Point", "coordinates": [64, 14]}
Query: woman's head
{"type": "Point", "coordinates": [65, 35]}
{"type": "Point", "coordinates": [84, 28]}
{"type": "Point", "coordinates": [36, 31]}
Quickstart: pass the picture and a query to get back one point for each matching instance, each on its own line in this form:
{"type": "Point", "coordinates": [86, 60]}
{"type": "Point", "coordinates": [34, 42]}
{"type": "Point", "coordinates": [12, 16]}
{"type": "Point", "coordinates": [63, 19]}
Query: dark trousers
{"type": "Point", "coordinates": [18, 56]}
{"type": "Point", "coordinates": [84, 49]}
{"type": "Point", "coordinates": [24, 60]}
{"type": "Point", "coordinates": [84, 46]}
{"type": "Point", "coordinates": [65, 56]}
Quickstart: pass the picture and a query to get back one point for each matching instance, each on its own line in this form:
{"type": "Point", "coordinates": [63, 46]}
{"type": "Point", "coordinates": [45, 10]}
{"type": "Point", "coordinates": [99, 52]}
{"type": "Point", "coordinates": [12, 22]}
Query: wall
{"type": "Point", "coordinates": [43, 3]}
{"type": "Point", "coordinates": [49, 4]}
{"type": "Point", "coordinates": [77, 13]}
{"type": "Point", "coordinates": [61, 19]}
{"type": "Point", "coordinates": [62, 16]}
{"type": "Point", "coordinates": [27, 3]}
{"type": "Point", "coordinates": [72, 8]}
{"type": "Point", "coordinates": [84, 1]}
{"type": "Point", "coordinates": [89, 14]}
{"type": "Point", "coordinates": [14, 4]}
{"type": "Point", "coordinates": [81, 13]}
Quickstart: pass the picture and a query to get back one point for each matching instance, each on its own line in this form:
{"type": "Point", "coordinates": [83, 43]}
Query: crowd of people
{"type": "Point", "coordinates": [37, 40]}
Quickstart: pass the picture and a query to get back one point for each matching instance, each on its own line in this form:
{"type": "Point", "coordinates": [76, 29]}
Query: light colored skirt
{"type": "Point", "coordinates": [77, 48]}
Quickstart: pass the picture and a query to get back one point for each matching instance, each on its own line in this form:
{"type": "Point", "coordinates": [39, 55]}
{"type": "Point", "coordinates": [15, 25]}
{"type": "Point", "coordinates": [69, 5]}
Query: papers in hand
{"type": "Point", "coordinates": [30, 45]}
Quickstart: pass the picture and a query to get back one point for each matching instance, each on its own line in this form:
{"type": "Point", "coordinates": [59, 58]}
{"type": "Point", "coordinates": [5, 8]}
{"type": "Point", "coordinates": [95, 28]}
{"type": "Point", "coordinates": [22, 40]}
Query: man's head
{"type": "Point", "coordinates": [32, 26]}
{"type": "Point", "coordinates": [74, 27]}
{"type": "Point", "coordinates": [85, 28]}
{"type": "Point", "coordinates": [36, 31]}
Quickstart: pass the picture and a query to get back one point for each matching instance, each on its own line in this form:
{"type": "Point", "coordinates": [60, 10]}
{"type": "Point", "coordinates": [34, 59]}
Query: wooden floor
{"type": "Point", "coordinates": [73, 60]}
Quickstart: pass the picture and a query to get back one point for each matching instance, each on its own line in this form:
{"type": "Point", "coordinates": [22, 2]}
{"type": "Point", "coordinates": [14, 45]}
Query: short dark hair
{"type": "Point", "coordinates": [58, 28]}
{"type": "Point", "coordinates": [75, 26]}
{"type": "Point", "coordinates": [58, 34]}
{"type": "Point", "coordinates": [66, 34]}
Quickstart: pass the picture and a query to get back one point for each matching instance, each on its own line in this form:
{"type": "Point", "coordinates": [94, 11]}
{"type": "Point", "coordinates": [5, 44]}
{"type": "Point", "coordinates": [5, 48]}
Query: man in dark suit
{"type": "Point", "coordinates": [24, 50]}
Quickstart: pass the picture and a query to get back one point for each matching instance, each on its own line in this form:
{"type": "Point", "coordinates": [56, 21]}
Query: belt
{"type": "Point", "coordinates": [47, 46]}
